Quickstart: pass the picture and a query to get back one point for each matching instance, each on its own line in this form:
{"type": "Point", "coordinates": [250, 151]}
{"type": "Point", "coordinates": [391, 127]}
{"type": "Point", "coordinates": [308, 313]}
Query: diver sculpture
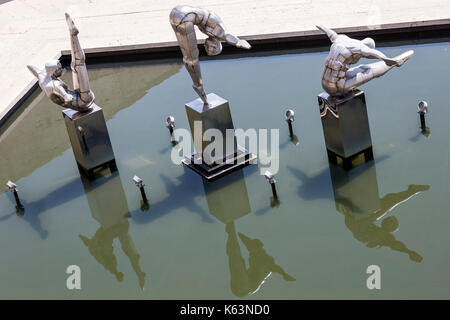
{"type": "Point", "coordinates": [209, 111]}
{"type": "Point", "coordinates": [342, 106]}
{"type": "Point", "coordinates": [183, 19]}
{"type": "Point", "coordinates": [82, 97]}
{"type": "Point", "coordinates": [84, 119]}
{"type": "Point", "coordinates": [338, 78]}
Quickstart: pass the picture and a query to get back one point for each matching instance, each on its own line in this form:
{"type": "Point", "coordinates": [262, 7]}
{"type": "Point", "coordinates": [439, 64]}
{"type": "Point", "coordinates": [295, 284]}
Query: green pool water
{"type": "Point", "coordinates": [228, 239]}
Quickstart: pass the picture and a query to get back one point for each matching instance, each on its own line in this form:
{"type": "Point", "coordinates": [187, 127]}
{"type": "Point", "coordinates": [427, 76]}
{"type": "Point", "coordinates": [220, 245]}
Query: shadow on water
{"type": "Point", "coordinates": [68, 191]}
{"type": "Point", "coordinates": [356, 196]}
{"type": "Point", "coordinates": [228, 201]}
{"type": "Point", "coordinates": [312, 187]}
{"type": "Point", "coordinates": [62, 194]}
{"type": "Point", "coordinates": [425, 132]}
{"type": "Point", "coordinates": [183, 193]}
{"type": "Point", "coordinates": [292, 140]}
{"type": "Point", "coordinates": [112, 216]}
{"type": "Point", "coordinates": [113, 219]}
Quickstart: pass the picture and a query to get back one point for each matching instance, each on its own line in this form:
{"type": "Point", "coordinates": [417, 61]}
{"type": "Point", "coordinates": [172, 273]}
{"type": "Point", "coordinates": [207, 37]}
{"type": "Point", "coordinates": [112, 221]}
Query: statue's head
{"type": "Point", "coordinates": [369, 42]}
{"type": "Point", "coordinates": [390, 224]}
{"type": "Point", "coordinates": [54, 68]}
{"type": "Point", "coordinates": [213, 47]}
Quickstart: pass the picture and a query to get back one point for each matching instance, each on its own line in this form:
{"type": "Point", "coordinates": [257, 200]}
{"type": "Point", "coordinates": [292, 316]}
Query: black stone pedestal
{"type": "Point", "coordinates": [90, 173]}
{"type": "Point", "coordinates": [345, 127]}
{"type": "Point", "coordinates": [216, 115]}
{"type": "Point", "coordinates": [90, 140]}
{"type": "Point", "coordinates": [240, 159]}
{"type": "Point", "coordinates": [347, 162]}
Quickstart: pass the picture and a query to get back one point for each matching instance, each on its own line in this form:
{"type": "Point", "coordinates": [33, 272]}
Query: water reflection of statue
{"type": "Point", "coordinates": [246, 281]}
{"type": "Point", "coordinates": [82, 97]}
{"type": "Point", "coordinates": [101, 248]}
{"type": "Point", "coordinates": [228, 201]}
{"type": "Point", "coordinates": [338, 78]}
{"type": "Point", "coordinates": [113, 217]}
{"type": "Point", "coordinates": [365, 230]}
{"type": "Point", "coordinates": [356, 197]}
{"type": "Point", "coordinates": [183, 19]}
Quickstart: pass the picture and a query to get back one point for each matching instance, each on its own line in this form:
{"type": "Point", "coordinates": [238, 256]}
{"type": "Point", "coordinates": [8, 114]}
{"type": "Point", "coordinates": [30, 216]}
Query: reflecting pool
{"type": "Point", "coordinates": [229, 239]}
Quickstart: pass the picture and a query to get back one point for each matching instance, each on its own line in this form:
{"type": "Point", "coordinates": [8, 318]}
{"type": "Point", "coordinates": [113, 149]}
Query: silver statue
{"type": "Point", "coordinates": [183, 19]}
{"type": "Point", "coordinates": [79, 99]}
{"type": "Point", "coordinates": [338, 78]}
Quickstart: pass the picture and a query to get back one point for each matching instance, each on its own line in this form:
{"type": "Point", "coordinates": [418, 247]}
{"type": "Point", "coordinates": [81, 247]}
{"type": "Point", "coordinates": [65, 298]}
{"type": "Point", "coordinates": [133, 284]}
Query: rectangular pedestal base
{"type": "Point", "coordinates": [347, 162]}
{"type": "Point", "coordinates": [345, 123]}
{"type": "Point", "coordinates": [90, 173]}
{"type": "Point", "coordinates": [240, 159]}
{"type": "Point", "coordinates": [89, 138]}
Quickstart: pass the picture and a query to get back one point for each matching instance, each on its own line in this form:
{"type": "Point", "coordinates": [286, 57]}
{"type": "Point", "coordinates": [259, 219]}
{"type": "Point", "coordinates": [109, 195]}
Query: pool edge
{"type": "Point", "coordinates": [260, 42]}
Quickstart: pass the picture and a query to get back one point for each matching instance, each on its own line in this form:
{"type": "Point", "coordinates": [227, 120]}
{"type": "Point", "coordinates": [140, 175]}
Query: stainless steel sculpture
{"type": "Point", "coordinates": [79, 99]}
{"type": "Point", "coordinates": [338, 78]}
{"type": "Point", "coordinates": [183, 19]}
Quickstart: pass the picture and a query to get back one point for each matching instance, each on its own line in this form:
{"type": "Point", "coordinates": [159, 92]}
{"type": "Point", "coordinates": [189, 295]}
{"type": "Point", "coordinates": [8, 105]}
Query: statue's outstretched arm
{"type": "Point", "coordinates": [235, 41]}
{"type": "Point", "coordinates": [330, 33]}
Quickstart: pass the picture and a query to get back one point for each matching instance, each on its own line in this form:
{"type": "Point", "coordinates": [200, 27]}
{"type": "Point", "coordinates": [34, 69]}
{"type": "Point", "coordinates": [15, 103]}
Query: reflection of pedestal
{"type": "Point", "coordinates": [355, 191]}
{"type": "Point", "coordinates": [106, 199]}
{"type": "Point", "coordinates": [109, 207]}
{"type": "Point", "coordinates": [223, 160]}
{"type": "Point", "coordinates": [228, 201]}
{"type": "Point", "coordinates": [228, 198]}
{"type": "Point", "coordinates": [90, 139]}
{"type": "Point", "coordinates": [345, 127]}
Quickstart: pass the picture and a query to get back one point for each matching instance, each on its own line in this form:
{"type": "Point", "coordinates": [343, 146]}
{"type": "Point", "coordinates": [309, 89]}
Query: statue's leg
{"type": "Point", "coordinates": [130, 250]}
{"type": "Point", "coordinates": [390, 200]}
{"type": "Point", "coordinates": [78, 65]}
{"type": "Point", "coordinates": [187, 40]}
{"type": "Point", "coordinates": [364, 73]}
{"type": "Point", "coordinates": [239, 278]}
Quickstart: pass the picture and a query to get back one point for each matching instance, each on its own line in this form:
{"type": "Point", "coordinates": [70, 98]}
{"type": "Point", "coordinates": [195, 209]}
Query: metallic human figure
{"type": "Point", "coordinates": [79, 99]}
{"type": "Point", "coordinates": [183, 19]}
{"type": "Point", "coordinates": [338, 78]}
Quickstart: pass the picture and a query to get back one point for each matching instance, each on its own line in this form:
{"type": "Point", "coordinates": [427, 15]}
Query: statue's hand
{"type": "Point", "coordinates": [243, 44]}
